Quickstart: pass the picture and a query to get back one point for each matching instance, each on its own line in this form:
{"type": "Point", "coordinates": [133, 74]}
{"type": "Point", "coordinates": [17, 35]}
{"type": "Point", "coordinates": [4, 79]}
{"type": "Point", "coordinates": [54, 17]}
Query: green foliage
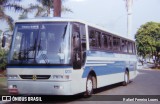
{"type": "Point", "coordinates": [9, 4]}
{"type": "Point", "coordinates": [148, 40]}
{"type": "Point", "coordinates": [42, 10]}
{"type": "Point", "coordinates": [3, 59]}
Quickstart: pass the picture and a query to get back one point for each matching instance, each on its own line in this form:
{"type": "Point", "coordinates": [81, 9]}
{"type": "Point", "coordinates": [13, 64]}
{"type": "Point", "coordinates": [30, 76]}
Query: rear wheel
{"type": "Point", "coordinates": [126, 78]}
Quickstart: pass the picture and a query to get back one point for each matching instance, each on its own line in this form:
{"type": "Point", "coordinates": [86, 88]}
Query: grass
{"type": "Point", "coordinates": [3, 86]}
{"type": "Point", "coordinates": [3, 81]}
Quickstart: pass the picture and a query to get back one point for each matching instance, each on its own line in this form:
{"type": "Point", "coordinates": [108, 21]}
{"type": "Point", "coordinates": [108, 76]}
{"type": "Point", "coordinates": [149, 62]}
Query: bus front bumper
{"type": "Point", "coordinates": [40, 87]}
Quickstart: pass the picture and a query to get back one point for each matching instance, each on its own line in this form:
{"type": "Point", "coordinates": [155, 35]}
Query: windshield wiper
{"type": "Point", "coordinates": [24, 54]}
{"type": "Point", "coordinates": [44, 56]}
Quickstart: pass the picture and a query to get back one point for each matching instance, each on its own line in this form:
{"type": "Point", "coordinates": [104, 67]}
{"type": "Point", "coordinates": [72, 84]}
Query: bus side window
{"type": "Point", "coordinates": [83, 42]}
{"type": "Point", "coordinates": [134, 48]}
{"type": "Point", "coordinates": [104, 41]}
{"type": "Point", "coordinates": [110, 42]}
{"type": "Point", "coordinates": [124, 46]}
{"type": "Point", "coordinates": [92, 38]}
{"type": "Point", "coordinates": [116, 44]}
{"type": "Point", "coordinates": [130, 47]}
{"type": "Point", "coordinates": [98, 39]}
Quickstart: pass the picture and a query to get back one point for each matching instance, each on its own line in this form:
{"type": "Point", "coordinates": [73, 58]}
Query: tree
{"type": "Point", "coordinates": [55, 5]}
{"type": "Point", "coordinates": [3, 59]}
{"type": "Point", "coordinates": [57, 8]}
{"type": "Point", "coordinates": [9, 4]}
{"type": "Point", "coordinates": [148, 41]}
{"type": "Point", "coordinates": [42, 10]}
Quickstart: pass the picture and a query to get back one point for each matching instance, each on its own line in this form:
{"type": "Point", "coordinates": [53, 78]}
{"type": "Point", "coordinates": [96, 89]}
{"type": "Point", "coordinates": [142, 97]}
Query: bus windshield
{"type": "Point", "coordinates": [40, 43]}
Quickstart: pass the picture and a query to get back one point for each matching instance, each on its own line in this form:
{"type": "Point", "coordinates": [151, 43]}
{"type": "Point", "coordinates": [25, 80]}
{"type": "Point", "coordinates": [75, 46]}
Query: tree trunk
{"type": "Point", "coordinates": [48, 11]}
{"type": "Point", "coordinates": [57, 8]}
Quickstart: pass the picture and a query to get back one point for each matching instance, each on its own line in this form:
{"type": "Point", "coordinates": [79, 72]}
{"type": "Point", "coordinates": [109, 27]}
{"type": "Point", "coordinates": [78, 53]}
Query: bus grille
{"type": "Point", "coordinates": [35, 76]}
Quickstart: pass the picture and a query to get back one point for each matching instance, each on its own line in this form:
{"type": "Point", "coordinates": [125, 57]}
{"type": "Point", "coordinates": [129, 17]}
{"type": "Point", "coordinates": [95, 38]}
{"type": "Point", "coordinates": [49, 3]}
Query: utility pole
{"type": "Point", "coordinates": [129, 4]}
{"type": "Point", "coordinates": [57, 8]}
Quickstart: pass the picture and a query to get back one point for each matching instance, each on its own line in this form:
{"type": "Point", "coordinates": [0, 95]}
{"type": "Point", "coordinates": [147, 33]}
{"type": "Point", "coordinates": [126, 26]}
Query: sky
{"type": "Point", "coordinates": [110, 14]}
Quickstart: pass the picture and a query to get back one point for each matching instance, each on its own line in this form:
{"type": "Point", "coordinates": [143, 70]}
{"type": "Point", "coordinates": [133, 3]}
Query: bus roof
{"type": "Point", "coordinates": [50, 19]}
{"type": "Point", "coordinates": [60, 19]}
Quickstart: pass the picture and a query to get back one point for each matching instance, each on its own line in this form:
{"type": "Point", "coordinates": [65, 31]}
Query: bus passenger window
{"type": "Point", "coordinates": [92, 39]}
{"type": "Point", "coordinates": [124, 46]}
{"type": "Point", "coordinates": [130, 47]}
{"type": "Point", "coordinates": [98, 38]}
{"type": "Point", "coordinates": [110, 42]}
{"type": "Point", "coordinates": [134, 50]}
{"type": "Point", "coordinates": [104, 41]}
{"type": "Point", "coordinates": [116, 44]}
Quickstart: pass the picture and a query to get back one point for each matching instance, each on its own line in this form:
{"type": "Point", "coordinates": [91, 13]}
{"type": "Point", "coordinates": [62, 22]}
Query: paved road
{"type": "Point", "coordinates": [146, 83]}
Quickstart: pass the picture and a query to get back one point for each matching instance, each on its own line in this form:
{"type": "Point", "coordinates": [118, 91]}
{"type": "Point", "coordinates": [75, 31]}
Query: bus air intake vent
{"type": "Point", "coordinates": [35, 76]}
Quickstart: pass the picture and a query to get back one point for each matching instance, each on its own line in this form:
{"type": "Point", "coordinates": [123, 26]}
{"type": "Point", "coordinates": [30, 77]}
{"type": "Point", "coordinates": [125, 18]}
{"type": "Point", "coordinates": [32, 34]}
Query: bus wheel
{"type": "Point", "coordinates": [126, 78]}
{"type": "Point", "coordinates": [89, 87]}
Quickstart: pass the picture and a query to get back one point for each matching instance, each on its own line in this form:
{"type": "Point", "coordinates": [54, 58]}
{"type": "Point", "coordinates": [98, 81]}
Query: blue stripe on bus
{"type": "Point", "coordinates": [103, 54]}
{"type": "Point", "coordinates": [99, 53]}
{"type": "Point", "coordinates": [104, 67]}
{"type": "Point", "coordinates": [111, 68]}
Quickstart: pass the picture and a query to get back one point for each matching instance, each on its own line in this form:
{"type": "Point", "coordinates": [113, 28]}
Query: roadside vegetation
{"type": "Point", "coordinates": [3, 59]}
{"type": "Point", "coordinates": [148, 43]}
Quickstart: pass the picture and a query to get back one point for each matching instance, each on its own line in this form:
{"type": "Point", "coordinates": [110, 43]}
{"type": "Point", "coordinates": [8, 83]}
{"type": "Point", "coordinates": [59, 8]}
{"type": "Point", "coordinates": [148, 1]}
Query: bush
{"type": "Point", "coordinates": [3, 59]}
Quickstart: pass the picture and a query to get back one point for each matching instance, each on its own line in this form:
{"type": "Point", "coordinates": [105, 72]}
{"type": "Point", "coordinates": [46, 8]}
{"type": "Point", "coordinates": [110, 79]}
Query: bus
{"type": "Point", "coordinates": [61, 56]}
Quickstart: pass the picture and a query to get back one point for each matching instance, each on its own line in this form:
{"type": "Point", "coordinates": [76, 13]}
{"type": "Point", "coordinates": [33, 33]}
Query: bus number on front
{"type": "Point", "coordinates": [68, 71]}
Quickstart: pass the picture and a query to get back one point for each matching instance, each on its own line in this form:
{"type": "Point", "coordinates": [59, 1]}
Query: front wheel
{"type": "Point", "coordinates": [89, 86]}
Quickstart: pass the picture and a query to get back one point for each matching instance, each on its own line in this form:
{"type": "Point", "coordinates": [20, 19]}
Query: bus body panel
{"type": "Point", "coordinates": [108, 65]}
{"type": "Point", "coordinates": [75, 84]}
{"type": "Point", "coordinates": [42, 87]}
{"type": "Point", "coordinates": [78, 83]}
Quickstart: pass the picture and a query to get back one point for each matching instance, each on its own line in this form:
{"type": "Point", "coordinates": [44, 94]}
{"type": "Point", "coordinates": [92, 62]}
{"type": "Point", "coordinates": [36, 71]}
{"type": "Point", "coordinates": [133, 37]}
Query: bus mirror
{"type": "Point", "coordinates": [3, 41]}
{"type": "Point", "coordinates": [76, 60]}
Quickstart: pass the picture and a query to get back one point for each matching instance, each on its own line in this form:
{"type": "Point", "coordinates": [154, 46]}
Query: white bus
{"type": "Point", "coordinates": [58, 56]}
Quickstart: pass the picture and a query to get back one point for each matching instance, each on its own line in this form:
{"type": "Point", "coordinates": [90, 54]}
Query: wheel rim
{"type": "Point", "coordinates": [89, 86]}
{"type": "Point", "coordinates": [126, 78]}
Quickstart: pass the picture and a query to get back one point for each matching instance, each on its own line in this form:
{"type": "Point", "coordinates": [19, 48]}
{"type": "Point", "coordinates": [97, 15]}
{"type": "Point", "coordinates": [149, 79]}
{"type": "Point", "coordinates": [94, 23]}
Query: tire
{"type": "Point", "coordinates": [126, 78]}
{"type": "Point", "coordinates": [89, 87]}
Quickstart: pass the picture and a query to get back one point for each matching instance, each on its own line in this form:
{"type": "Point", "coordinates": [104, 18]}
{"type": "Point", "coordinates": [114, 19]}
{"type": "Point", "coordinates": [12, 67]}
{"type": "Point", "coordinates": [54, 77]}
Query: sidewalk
{"type": "Point", "coordinates": [145, 66]}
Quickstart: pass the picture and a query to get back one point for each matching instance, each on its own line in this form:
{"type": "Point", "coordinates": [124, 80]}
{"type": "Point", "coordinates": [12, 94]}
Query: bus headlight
{"type": "Point", "coordinates": [60, 77]}
{"type": "Point", "coordinates": [12, 76]}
